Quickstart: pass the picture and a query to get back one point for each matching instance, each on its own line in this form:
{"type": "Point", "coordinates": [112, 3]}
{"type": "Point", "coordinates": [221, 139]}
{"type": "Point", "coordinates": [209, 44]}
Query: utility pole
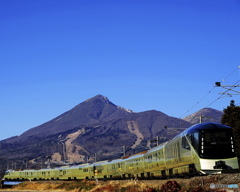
{"type": "Point", "coordinates": [95, 157]}
{"type": "Point", "coordinates": [63, 150]}
{"type": "Point", "coordinates": [124, 150]}
{"type": "Point", "coordinates": [174, 129]}
{"type": "Point", "coordinates": [202, 117]}
{"type": "Point", "coordinates": [157, 140]}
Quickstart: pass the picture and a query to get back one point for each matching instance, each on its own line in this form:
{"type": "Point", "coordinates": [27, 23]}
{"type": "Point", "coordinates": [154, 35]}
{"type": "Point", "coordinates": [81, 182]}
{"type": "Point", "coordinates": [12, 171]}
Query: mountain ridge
{"type": "Point", "coordinates": [205, 114]}
{"type": "Point", "coordinates": [95, 126]}
{"type": "Point", "coordinates": [93, 110]}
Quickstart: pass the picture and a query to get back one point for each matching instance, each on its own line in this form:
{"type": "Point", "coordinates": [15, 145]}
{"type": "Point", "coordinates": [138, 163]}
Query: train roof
{"type": "Point", "coordinates": [204, 126]}
{"type": "Point", "coordinates": [134, 156]}
{"type": "Point", "coordinates": [22, 170]}
{"type": "Point", "coordinates": [116, 161]}
{"type": "Point", "coordinates": [142, 152]}
{"type": "Point", "coordinates": [156, 148]}
{"type": "Point", "coordinates": [98, 163]}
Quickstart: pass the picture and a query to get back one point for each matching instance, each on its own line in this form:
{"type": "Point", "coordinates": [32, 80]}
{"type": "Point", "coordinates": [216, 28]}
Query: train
{"type": "Point", "coordinates": [204, 148]}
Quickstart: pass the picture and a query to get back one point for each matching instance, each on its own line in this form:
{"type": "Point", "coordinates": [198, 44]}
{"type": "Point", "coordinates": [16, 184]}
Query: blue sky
{"type": "Point", "coordinates": [142, 55]}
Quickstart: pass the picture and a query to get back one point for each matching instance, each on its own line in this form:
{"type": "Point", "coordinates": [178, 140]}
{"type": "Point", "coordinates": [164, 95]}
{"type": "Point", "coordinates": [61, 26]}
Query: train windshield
{"type": "Point", "coordinates": [216, 144]}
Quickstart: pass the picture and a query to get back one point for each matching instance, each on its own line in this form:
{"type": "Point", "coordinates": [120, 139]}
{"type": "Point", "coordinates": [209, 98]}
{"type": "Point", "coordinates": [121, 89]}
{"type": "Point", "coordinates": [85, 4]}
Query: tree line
{"type": "Point", "coordinates": [231, 117]}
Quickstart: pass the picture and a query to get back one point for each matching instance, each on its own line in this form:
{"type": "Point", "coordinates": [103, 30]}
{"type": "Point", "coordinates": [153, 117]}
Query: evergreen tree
{"type": "Point", "coordinates": [231, 117]}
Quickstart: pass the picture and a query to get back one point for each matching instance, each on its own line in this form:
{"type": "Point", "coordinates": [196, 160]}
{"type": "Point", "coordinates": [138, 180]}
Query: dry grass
{"type": "Point", "coordinates": [84, 186]}
{"type": "Point", "coordinates": [196, 184]}
{"type": "Point", "coordinates": [35, 186]}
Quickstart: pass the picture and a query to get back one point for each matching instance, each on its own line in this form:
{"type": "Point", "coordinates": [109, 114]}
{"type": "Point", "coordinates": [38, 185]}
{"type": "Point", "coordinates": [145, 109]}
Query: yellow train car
{"type": "Point", "coordinates": [11, 175]}
{"type": "Point", "coordinates": [98, 170]}
{"type": "Point", "coordinates": [134, 166]}
{"type": "Point", "coordinates": [115, 169]}
{"type": "Point", "coordinates": [154, 162]}
{"type": "Point", "coordinates": [177, 158]}
{"type": "Point", "coordinates": [80, 171]}
{"type": "Point", "coordinates": [205, 148]}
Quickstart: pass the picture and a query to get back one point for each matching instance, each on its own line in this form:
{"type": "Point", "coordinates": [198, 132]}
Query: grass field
{"type": "Point", "coordinates": [217, 183]}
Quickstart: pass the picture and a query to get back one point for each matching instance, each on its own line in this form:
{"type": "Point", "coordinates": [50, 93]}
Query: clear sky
{"type": "Point", "coordinates": [164, 55]}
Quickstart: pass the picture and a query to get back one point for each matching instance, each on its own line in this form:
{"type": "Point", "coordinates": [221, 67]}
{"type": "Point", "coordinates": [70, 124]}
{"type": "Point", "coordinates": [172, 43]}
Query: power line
{"type": "Point", "coordinates": [197, 102]}
{"type": "Point", "coordinates": [232, 73]}
{"type": "Point", "coordinates": [229, 88]}
{"type": "Point", "coordinates": [223, 94]}
{"type": "Point", "coordinates": [233, 86]}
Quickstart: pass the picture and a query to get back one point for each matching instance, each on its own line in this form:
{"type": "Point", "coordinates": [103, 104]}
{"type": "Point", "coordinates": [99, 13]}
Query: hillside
{"type": "Point", "coordinates": [94, 129]}
{"type": "Point", "coordinates": [94, 110]}
{"type": "Point", "coordinates": [206, 115]}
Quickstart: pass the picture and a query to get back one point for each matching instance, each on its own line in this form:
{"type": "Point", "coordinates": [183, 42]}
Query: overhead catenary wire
{"type": "Point", "coordinates": [223, 94]}
{"type": "Point", "coordinates": [232, 73]}
{"type": "Point", "coordinates": [197, 103]}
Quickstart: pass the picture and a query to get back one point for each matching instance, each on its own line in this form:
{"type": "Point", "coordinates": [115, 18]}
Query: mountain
{"type": "Point", "coordinates": [95, 110]}
{"type": "Point", "coordinates": [206, 115]}
{"type": "Point", "coordinates": [95, 126]}
{"type": "Point", "coordinates": [135, 131]}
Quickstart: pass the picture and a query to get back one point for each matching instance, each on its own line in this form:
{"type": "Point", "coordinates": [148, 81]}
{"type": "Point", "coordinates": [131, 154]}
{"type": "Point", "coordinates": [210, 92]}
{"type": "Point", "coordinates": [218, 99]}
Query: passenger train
{"type": "Point", "coordinates": [205, 148]}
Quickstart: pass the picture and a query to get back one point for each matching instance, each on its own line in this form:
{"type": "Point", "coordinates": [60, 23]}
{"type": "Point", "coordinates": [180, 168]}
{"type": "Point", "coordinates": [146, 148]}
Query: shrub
{"type": "Point", "coordinates": [171, 186]}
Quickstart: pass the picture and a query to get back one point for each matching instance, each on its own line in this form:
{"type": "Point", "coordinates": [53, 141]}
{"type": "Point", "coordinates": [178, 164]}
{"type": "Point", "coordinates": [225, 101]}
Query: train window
{"type": "Point", "coordinates": [196, 141]}
{"type": "Point", "coordinates": [216, 138]}
{"type": "Point", "coordinates": [185, 143]}
{"type": "Point", "coordinates": [217, 144]}
{"type": "Point", "coordinates": [194, 138]}
{"type": "Point", "coordinates": [150, 158]}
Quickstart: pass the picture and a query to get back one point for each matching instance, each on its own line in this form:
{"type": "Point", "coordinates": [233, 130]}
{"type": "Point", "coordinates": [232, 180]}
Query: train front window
{"type": "Point", "coordinates": [217, 144]}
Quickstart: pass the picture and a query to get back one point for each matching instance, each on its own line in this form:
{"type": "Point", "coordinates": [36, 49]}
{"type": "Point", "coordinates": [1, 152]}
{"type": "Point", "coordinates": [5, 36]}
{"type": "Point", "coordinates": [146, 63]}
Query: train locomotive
{"type": "Point", "coordinates": [205, 148]}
